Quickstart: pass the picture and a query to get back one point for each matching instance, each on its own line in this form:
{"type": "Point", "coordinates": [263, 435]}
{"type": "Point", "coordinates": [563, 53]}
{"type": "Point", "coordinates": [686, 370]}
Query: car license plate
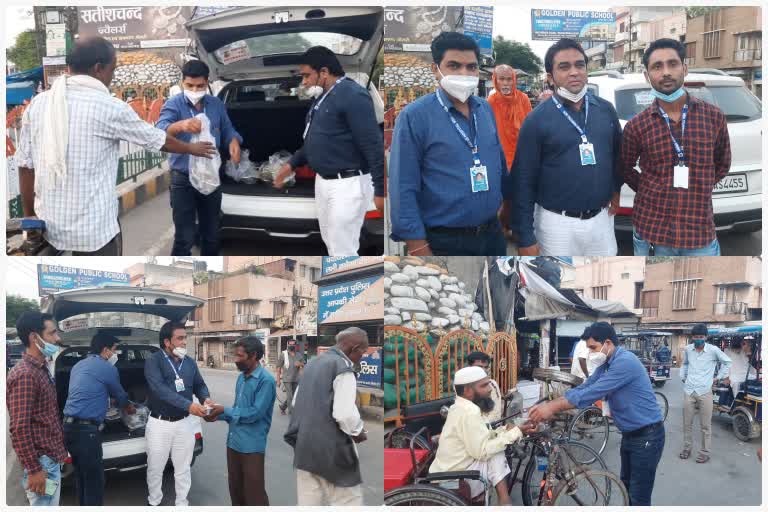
{"type": "Point", "coordinates": [732, 183]}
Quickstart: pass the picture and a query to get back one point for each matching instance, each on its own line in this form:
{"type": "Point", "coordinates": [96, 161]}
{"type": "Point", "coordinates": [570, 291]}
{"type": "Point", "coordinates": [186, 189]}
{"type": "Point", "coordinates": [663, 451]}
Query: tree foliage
{"type": "Point", "coordinates": [517, 55]}
{"type": "Point", "coordinates": [24, 53]}
{"type": "Point", "coordinates": [15, 305]}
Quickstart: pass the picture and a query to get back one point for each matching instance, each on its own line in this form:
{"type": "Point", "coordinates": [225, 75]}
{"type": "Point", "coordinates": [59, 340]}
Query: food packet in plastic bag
{"type": "Point", "coordinates": [204, 172]}
{"type": "Point", "coordinates": [270, 168]}
{"type": "Point", "coordinates": [138, 420]}
{"type": "Point", "coordinates": [244, 172]}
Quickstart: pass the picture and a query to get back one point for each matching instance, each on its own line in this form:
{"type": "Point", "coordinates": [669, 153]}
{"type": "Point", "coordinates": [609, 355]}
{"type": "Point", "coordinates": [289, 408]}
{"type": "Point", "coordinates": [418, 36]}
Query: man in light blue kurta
{"type": "Point", "coordinates": [700, 362]}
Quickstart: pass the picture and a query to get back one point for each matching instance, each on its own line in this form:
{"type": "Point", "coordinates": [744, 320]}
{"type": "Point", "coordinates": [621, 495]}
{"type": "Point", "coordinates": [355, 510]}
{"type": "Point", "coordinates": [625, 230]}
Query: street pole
{"type": "Point", "coordinates": [630, 41]}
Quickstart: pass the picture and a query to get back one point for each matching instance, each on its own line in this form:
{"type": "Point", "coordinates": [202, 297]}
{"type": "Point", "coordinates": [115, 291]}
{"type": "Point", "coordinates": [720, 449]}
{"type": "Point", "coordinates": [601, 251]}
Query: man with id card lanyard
{"type": "Point", "coordinates": [565, 165]}
{"type": "Point", "coordinates": [684, 150]}
{"type": "Point", "coordinates": [447, 170]}
{"type": "Point", "coordinates": [173, 379]}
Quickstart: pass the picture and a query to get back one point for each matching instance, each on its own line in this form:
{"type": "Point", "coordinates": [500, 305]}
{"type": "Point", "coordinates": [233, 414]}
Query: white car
{"type": "Point", "coordinates": [737, 198]}
{"type": "Point", "coordinates": [254, 52]}
{"type": "Point", "coordinates": [138, 333]}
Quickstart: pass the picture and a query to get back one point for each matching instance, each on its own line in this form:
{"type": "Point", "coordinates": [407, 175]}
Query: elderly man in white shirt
{"type": "Point", "coordinates": [741, 370]}
{"type": "Point", "coordinates": [69, 150]}
{"type": "Point", "coordinates": [467, 443]}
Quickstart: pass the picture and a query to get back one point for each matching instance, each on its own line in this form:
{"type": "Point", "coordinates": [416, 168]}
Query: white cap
{"type": "Point", "coordinates": [469, 375]}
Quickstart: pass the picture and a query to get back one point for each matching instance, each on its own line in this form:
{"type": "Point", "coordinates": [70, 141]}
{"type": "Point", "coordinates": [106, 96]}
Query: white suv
{"type": "Point", "coordinates": [737, 198]}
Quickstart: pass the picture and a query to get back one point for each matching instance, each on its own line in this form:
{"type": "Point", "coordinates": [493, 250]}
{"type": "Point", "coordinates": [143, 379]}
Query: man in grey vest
{"type": "Point", "coordinates": [326, 424]}
{"type": "Point", "coordinates": [288, 370]}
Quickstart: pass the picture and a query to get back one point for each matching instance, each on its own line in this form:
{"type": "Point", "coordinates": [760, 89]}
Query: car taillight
{"type": "Point", "coordinates": [68, 460]}
{"type": "Point", "coordinates": [624, 211]}
{"type": "Point", "coordinates": [198, 436]}
{"type": "Point", "coordinates": [374, 214]}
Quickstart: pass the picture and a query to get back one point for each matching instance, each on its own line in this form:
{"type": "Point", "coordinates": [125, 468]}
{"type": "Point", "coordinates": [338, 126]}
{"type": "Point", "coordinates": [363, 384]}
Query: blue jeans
{"type": "Point", "coordinates": [53, 469]}
{"type": "Point", "coordinates": [640, 455]}
{"type": "Point", "coordinates": [187, 204]}
{"type": "Point", "coordinates": [84, 444]}
{"type": "Point", "coordinates": [489, 242]}
{"type": "Point", "coordinates": [643, 248]}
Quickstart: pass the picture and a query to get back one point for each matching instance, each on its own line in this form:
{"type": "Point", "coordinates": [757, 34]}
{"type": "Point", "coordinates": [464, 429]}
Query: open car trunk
{"type": "Point", "coordinates": [130, 366]}
{"type": "Point", "coordinates": [268, 127]}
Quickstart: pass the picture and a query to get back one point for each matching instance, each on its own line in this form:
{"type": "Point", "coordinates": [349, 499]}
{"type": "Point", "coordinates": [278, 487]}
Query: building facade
{"type": "Point", "coordinates": [615, 279]}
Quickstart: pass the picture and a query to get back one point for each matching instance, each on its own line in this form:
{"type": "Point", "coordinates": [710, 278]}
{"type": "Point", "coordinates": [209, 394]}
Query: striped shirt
{"type": "Point", "coordinates": [80, 211]}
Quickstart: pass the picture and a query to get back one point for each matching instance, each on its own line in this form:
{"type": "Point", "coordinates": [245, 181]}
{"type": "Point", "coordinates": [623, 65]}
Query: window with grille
{"type": "Point", "coordinates": [650, 303]}
{"type": "Point", "coordinates": [713, 31]}
{"type": "Point", "coordinates": [600, 292]}
{"type": "Point", "coordinates": [215, 300]}
{"type": "Point", "coordinates": [690, 53]}
{"type": "Point", "coordinates": [279, 309]}
{"type": "Point", "coordinates": [722, 294]}
{"type": "Point", "coordinates": [684, 294]}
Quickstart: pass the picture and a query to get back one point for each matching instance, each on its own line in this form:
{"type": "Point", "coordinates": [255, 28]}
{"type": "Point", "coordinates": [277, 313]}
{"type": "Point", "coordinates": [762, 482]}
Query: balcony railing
{"type": "Point", "coordinates": [621, 36]}
{"type": "Point", "coordinates": [748, 55]}
{"type": "Point", "coordinates": [729, 308]}
{"type": "Point", "coordinates": [650, 312]}
{"type": "Point", "coordinates": [245, 319]}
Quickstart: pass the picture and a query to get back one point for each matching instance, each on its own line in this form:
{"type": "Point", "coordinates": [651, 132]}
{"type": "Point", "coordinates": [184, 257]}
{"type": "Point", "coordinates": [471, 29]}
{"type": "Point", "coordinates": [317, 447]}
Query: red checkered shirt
{"type": "Point", "coordinates": [663, 215]}
{"type": "Point", "coordinates": [35, 425]}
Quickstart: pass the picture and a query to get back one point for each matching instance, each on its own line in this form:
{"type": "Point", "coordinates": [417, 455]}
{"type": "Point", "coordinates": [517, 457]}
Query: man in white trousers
{"type": "Point", "coordinates": [173, 379]}
{"type": "Point", "coordinates": [322, 425]}
{"type": "Point", "coordinates": [344, 145]}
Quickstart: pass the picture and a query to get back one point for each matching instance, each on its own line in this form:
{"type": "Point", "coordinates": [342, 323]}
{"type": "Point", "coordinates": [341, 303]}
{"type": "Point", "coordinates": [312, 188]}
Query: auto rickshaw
{"type": "Point", "coordinates": [746, 408]}
{"type": "Point", "coordinates": [648, 346]}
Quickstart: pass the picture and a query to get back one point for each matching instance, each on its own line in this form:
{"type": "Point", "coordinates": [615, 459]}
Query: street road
{"type": "Point", "coordinates": [209, 474]}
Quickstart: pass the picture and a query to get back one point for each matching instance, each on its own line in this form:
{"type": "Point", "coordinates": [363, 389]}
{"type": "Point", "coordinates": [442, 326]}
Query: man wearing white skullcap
{"type": "Point", "coordinates": [467, 443]}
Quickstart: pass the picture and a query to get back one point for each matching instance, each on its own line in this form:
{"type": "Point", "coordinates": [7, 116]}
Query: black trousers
{"type": "Point", "coordinates": [84, 444]}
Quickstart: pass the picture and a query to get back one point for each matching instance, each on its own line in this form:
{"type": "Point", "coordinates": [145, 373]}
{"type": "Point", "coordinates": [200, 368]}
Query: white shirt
{"type": "Point", "coordinates": [581, 350]}
{"type": "Point", "coordinates": [739, 366]}
{"type": "Point", "coordinates": [80, 211]}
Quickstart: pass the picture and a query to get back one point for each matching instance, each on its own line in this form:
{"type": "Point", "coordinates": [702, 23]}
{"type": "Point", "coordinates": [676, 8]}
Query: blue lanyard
{"type": "Point", "coordinates": [462, 133]}
{"type": "Point", "coordinates": [173, 367]}
{"type": "Point", "coordinates": [678, 148]}
{"type": "Point", "coordinates": [193, 111]}
{"type": "Point", "coordinates": [563, 111]}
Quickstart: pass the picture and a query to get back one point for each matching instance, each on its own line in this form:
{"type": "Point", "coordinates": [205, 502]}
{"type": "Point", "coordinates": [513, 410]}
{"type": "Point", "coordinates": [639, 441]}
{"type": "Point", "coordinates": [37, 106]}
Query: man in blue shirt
{"type": "Point", "coordinates": [173, 379]}
{"type": "Point", "coordinates": [92, 382]}
{"type": "Point", "coordinates": [249, 421]}
{"type": "Point", "coordinates": [344, 145]}
{"type": "Point", "coordinates": [619, 375]}
{"type": "Point", "coordinates": [700, 361]}
{"type": "Point", "coordinates": [566, 164]}
{"type": "Point", "coordinates": [177, 118]}
{"type": "Point", "coordinates": [447, 171]}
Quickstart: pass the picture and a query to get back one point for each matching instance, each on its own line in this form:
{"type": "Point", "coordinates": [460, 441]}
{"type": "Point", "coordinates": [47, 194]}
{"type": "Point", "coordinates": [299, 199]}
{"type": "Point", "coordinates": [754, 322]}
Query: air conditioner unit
{"type": "Point", "coordinates": [303, 303]}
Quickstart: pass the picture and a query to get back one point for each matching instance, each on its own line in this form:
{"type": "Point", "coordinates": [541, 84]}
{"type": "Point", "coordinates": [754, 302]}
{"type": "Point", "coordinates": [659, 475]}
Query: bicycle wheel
{"type": "Point", "coordinates": [590, 427]}
{"type": "Point", "coordinates": [422, 495]}
{"type": "Point", "coordinates": [577, 454]}
{"type": "Point", "coordinates": [590, 488]}
{"type": "Point", "coordinates": [402, 439]}
{"type": "Point", "coordinates": [663, 404]}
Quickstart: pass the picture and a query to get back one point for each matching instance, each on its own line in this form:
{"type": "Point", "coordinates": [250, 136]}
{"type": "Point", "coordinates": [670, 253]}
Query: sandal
{"type": "Point", "coordinates": [702, 458]}
{"type": "Point", "coordinates": [685, 454]}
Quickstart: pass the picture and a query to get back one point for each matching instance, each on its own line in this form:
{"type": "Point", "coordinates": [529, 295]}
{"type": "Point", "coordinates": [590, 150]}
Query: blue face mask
{"type": "Point", "coordinates": [698, 343]}
{"type": "Point", "coordinates": [48, 349]}
{"type": "Point", "coordinates": [669, 98]}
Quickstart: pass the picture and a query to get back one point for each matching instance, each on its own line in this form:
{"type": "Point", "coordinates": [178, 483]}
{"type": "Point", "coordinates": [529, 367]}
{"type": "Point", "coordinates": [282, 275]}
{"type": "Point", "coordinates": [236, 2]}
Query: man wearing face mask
{"type": "Point", "coordinates": [173, 379]}
{"type": "Point", "coordinates": [344, 145]}
{"type": "Point", "coordinates": [69, 150]}
{"type": "Point", "coordinates": [621, 376]}
{"type": "Point", "coordinates": [510, 107]}
{"type": "Point", "coordinates": [178, 119]}
{"type": "Point", "coordinates": [467, 443]}
{"type": "Point", "coordinates": [33, 411]}
{"type": "Point", "coordinates": [250, 419]}
{"type": "Point", "coordinates": [684, 150]}
{"type": "Point", "coordinates": [91, 384]}
{"type": "Point", "coordinates": [288, 368]}
{"type": "Point", "coordinates": [447, 170]}
{"type": "Point", "coordinates": [568, 180]}
{"type": "Point", "coordinates": [700, 361]}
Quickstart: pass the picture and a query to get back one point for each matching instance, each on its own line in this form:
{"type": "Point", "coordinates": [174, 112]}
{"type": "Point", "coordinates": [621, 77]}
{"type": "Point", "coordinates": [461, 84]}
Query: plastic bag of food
{"type": "Point", "coordinates": [243, 172]}
{"type": "Point", "coordinates": [270, 168]}
{"type": "Point", "coordinates": [204, 172]}
{"type": "Point", "coordinates": [138, 420]}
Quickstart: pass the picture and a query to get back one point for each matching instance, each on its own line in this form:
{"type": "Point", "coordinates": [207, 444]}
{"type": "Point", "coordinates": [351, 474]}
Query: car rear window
{"type": "Point", "coordinates": [287, 44]}
{"type": "Point", "coordinates": [738, 104]}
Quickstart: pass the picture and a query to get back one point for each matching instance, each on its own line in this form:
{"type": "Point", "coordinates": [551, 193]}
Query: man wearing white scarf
{"type": "Point", "coordinates": [69, 149]}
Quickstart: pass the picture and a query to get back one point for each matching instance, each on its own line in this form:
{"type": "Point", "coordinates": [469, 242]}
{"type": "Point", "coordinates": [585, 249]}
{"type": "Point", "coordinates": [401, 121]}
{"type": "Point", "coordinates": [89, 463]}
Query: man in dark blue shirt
{"type": "Point", "coordinates": [344, 145]}
{"type": "Point", "coordinates": [250, 419]}
{"type": "Point", "coordinates": [566, 165]}
{"type": "Point", "coordinates": [92, 382]}
{"type": "Point", "coordinates": [447, 171]}
{"type": "Point", "coordinates": [620, 376]}
{"type": "Point", "coordinates": [177, 118]}
{"type": "Point", "coordinates": [173, 379]}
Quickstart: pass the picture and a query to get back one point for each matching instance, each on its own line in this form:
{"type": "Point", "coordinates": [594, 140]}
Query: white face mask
{"type": "Point", "coordinates": [459, 86]}
{"type": "Point", "coordinates": [112, 359]}
{"type": "Point", "coordinates": [597, 359]}
{"type": "Point", "coordinates": [194, 96]}
{"type": "Point", "coordinates": [568, 95]}
{"type": "Point", "coordinates": [180, 352]}
{"type": "Point", "coordinates": [314, 91]}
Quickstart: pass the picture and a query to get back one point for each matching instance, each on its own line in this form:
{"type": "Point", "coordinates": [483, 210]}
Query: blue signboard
{"type": "Point", "coordinates": [351, 301]}
{"type": "Point", "coordinates": [478, 24]}
{"type": "Point", "coordinates": [554, 24]}
{"type": "Point", "coordinates": [53, 278]}
{"type": "Point", "coordinates": [371, 368]}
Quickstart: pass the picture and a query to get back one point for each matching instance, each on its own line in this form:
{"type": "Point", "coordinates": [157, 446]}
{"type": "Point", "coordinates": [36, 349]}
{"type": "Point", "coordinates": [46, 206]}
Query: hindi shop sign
{"type": "Point", "coordinates": [53, 278]}
{"type": "Point", "coordinates": [333, 264]}
{"type": "Point", "coordinates": [351, 301]}
{"type": "Point", "coordinates": [136, 27]}
{"type": "Point", "coordinates": [412, 29]}
{"type": "Point", "coordinates": [554, 24]}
